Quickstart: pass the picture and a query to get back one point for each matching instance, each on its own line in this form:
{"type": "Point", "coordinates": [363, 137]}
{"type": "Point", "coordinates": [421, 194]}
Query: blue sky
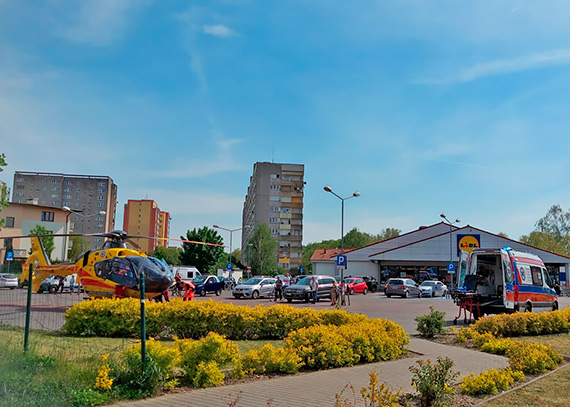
{"type": "Point", "coordinates": [424, 107]}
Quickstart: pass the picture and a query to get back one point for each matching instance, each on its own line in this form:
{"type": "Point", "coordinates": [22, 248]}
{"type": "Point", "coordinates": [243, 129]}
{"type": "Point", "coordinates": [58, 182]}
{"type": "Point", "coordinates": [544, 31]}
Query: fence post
{"type": "Point", "coordinates": [143, 325]}
{"type": "Point", "coordinates": [28, 308]}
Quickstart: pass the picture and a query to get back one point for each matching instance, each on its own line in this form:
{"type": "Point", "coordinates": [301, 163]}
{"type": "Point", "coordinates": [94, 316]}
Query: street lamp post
{"type": "Point", "coordinates": [231, 234]}
{"type": "Point", "coordinates": [450, 240]}
{"type": "Point", "coordinates": [356, 194]}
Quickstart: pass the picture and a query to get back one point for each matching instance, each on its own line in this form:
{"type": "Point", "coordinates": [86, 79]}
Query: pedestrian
{"type": "Point", "coordinates": [72, 284]}
{"type": "Point", "coordinates": [314, 285]}
{"type": "Point", "coordinates": [286, 280]}
{"type": "Point", "coordinates": [60, 284]}
{"type": "Point", "coordinates": [333, 293]}
{"type": "Point", "coordinates": [278, 289]}
{"type": "Point", "coordinates": [342, 289]}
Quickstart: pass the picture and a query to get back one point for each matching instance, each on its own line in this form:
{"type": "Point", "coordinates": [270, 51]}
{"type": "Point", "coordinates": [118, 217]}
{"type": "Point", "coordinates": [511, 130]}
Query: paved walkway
{"type": "Point", "coordinates": [319, 388]}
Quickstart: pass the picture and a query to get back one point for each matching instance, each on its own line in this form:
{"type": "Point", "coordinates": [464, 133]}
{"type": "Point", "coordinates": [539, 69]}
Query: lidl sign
{"type": "Point", "coordinates": [467, 243]}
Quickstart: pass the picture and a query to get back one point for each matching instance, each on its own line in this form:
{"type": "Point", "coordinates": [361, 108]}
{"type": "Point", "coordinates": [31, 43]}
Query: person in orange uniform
{"type": "Point", "coordinates": [187, 286]}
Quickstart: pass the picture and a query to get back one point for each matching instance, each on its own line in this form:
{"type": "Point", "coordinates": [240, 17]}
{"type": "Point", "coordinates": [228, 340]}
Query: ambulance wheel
{"type": "Point", "coordinates": [555, 306]}
{"type": "Point", "coordinates": [528, 307]}
{"type": "Point", "coordinates": [455, 321]}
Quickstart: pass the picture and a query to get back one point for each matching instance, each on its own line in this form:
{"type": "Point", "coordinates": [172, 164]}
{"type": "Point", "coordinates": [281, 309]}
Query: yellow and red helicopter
{"type": "Point", "coordinates": [114, 271]}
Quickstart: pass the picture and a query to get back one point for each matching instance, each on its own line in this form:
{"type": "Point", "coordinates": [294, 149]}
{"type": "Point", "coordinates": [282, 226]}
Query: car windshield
{"type": "Point", "coordinates": [7, 276]}
{"type": "Point", "coordinates": [199, 279]}
{"type": "Point", "coordinates": [428, 284]}
{"type": "Point", "coordinates": [304, 281]}
{"type": "Point", "coordinates": [349, 280]}
{"type": "Point", "coordinates": [253, 281]}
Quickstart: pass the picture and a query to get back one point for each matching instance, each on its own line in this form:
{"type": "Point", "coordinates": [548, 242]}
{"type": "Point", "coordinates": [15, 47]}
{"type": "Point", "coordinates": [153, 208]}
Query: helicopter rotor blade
{"type": "Point", "coordinates": [177, 240]}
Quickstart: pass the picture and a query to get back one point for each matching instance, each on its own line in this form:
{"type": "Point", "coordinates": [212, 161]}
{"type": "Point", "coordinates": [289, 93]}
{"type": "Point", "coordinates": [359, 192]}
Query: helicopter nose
{"type": "Point", "coordinates": [158, 283]}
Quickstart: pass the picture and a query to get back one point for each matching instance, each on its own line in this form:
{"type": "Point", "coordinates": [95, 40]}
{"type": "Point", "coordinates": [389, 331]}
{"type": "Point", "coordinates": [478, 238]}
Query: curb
{"type": "Point", "coordinates": [521, 386]}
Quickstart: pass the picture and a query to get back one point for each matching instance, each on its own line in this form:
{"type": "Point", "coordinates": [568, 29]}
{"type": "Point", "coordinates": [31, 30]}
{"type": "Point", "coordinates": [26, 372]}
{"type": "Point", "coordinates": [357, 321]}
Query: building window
{"type": "Point", "coordinates": [274, 187]}
{"type": "Point", "coordinates": [19, 194]}
{"type": "Point", "coordinates": [77, 204]}
{"type": "Point", "coordinates": [273, 220]}
{"type": "Point", "coordinates": [19, 179]}
{"type": "Point", "coordinates": [66, 196]}
{"type": "Point", "coordinates": [9, 221]}
{"type": "Point", "coordinates": [20, 186]}
{"type": "Point", "coordinates": [274, 231]}
{"type": "Point", "coordinates": [100, 205]}
{"type": "Point", "coordinates": [101, 190]}
{"type": "Point", "coordinates": [55, 181]}
{"type": "Point", "coordinates": [101, 184]}
{"type": "Point", "coordinates": [99, 226]}
{"type": "Point", "coordinates": [67, 189]}
{"type": "Point", "coordinates": [101, 198]}
{"type": "Point", "coordinates": [54, 195]}
{"type": "Point", "coordinates": [65, 203]}
{"type": "Point", "coordinates": [274, 209]}
{"type": "Point", "coordinates": [274, 198]}
{"type": "Point", "coordinates": [55, 188]}
{"type": "Point", "coordinates": [47, 216]}
{"type": "Point", "coordinates": [44, 189]}
{"type": "Point", "coordinates": [55, 203]}
{"type": "Point", "coordinates": [67, 182]}
{"type": "Point", "coordinates": [78, 190]}
{"type": "Point", "coordinates": [274, 176]}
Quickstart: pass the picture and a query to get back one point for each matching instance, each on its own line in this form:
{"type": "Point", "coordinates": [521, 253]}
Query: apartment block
{"type": "Point", "coordinates": [144, 218]}
{"type": "Point", "coordinates": [275, 197]}
{"type": "Point", "coordinates": [91, 199]}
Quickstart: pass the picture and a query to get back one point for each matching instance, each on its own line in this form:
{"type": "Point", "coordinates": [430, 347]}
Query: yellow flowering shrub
{"type": "Point", "coordinates": [208, 374]}
{"type": "Point", "coordinates": [269, 359]}
{"type": "Point", "coordinates": [161, 362]}
{"type": "Point", "coordinates": [532, 358]}
{"type": "Point", "coordinates": [496, 345]}
{"type": "Point", "coordinates": [103, 382]}
{"type": "Point", "coordinates": [212, 348]}
{"type": "Point", "coordinates": [525, 324]}
{"type": "Point", "coordinates": [490, 382]}
{"type": "Point", "coordinates": [195, 319]}
{"type": "Point", "coordinates": [326, 346]}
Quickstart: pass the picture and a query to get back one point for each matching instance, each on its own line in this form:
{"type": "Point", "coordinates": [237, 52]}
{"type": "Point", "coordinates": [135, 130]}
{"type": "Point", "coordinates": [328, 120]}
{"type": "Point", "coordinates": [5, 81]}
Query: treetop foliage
{"type": "Point", "coordinates": [203, 257]}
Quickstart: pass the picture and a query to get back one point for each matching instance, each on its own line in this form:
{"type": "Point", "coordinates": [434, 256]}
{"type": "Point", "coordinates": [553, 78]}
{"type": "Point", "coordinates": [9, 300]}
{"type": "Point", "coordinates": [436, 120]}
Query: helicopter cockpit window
{"type": "Point", "coordinates": [119, 270]}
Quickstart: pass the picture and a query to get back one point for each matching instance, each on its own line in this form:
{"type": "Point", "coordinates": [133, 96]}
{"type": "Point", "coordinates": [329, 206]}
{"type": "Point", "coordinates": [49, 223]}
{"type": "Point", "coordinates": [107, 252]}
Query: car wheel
{"type": "Point", "coordinates": [52, 290]}
{"type": "Point", "coordinates": [405, 294]}
{"type": "Point", "coordinates": [202, 292]}
{"type": "Point", "coordinates": [11, 288]}
{"type": "Point", "coordinates": [255, 295]}
{"type": "Point", "coordinates": [365, 291]}
{"type": "Point", "coordinates": [289, 300]}
{"type": "Point", "coordinates": [219, 292]}
{"type": "Point", "coordinates": [352, 291]}
{"type": "Point", "coordinates": [236, 296]}
{"type": "Point", "coordinates": [388, 295]}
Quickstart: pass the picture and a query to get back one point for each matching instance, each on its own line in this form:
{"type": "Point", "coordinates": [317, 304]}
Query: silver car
{"type": "Point", "coordinates": [433, 288]}
{"type": "Point", "coordinates": [404, 287]}
{"type": "Point", "coordinates": [8, 280]}
{"type": "Point", "coordinates": [254, 288]}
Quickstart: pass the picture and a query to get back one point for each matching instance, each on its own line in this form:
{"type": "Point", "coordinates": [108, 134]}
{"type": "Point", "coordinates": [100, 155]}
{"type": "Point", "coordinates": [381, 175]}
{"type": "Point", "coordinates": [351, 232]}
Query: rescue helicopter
{"type": "Point", "coordinates": [114, 271]}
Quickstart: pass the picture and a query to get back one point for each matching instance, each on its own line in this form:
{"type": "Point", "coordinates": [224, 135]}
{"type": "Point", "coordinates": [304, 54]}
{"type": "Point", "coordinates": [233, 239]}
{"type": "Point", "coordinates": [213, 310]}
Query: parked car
{"type": "Point", "coordinates": [302, 291]}
{"type": "Point", "coordinates": [208, 284]}
{"type": "Point", "coordinates": [356, 285]}
{"type": "Point", "coordinates": [404, 287]}
{"type": "Point", "coordinates": [51, 285]}
{"type": "Point", "coordinates": [371, 282]}
{"type": "Point", "coordinates": [8, 280]}
{"type": "Point", "coordinates": [254, 288]}
{"type": "Point", "coordinates": [432, 288]}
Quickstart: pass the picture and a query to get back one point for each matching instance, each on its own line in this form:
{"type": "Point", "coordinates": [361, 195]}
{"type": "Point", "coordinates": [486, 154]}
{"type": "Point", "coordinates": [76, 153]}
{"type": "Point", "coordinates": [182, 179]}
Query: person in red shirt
{"type": "Point", "coordinates": [185, 286]}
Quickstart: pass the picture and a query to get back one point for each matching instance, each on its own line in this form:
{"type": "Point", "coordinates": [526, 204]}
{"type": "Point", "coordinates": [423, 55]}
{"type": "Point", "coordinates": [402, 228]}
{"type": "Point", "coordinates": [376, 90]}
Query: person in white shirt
{"type": "Point", "coordinates": [314, 285]}
{"type": "Point", "coordinates": [286, 280]}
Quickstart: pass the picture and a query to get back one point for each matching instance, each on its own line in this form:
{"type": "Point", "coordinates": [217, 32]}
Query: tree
{"type": "Point", "coordinates": [47, 241]}
{"type": "Point", "coordinates": [503, 234]}
{"type": "Point", "coordinates": [203, 257]}
{"type": "Point", "coordinates": [76, 245]}
{"type": "Point", "coordinates": [386, 234]}
{"type": "Point", "coordinates": [548, 242]}
{"type": "Point", "coordinates": [355, 238]}
{"type": "Point", "coordinates": [261, 251]}
{"type": "Point", "coordinates": [171, 255]}
{"type": "Point", "coordinates": [3, 188]}
{"type": "Point", "coordinates": [556, 222]}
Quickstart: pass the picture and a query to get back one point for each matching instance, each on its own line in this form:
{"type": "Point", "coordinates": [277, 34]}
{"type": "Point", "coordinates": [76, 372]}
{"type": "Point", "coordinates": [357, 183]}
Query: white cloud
{"type": "Point", "coordinates": [100, 22]}
{"type": "Point", "coordinates": [218, 30]}
{"type": "Point", "coordinates": [501, 66]}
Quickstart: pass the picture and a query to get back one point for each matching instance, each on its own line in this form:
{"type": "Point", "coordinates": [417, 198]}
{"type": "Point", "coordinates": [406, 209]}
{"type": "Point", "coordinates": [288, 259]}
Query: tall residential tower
{"type": "Point", "coordinates": [275, 197]}
{"type": "Point", "coordinates": [144, 218]}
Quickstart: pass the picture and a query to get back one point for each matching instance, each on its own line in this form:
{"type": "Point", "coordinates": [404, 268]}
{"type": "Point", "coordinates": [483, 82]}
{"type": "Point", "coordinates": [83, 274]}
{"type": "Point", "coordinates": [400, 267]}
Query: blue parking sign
{"type": "Point", "coordinates": [229, 266]}
{"type": "Point", "coordinates": [450, 267]}
{"type": "Point", "coordinates": [9, 256]}
{"type": "Point", "coordinates": [341, 260]}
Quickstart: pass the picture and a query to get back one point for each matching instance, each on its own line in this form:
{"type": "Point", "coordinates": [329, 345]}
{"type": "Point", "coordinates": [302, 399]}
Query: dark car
{"type": "Point", "coordinates": [404, 287]}
{"type": "Point", "coordinates": [229, 282]}
{"type": "Point", "coordinates": [302, 291]}
{"type": "Point", "coordinates": [208, 284]}
{"type": "Point", "coordinates": [372, 283]}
